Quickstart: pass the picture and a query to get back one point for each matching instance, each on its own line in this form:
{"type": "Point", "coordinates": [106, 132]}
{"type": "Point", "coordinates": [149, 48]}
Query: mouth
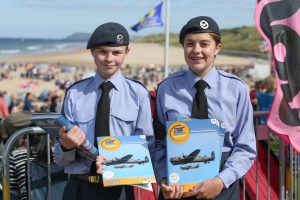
{"type": "Point", "coordinates": [197, 59]}
{"type": "Point", "coordinates": [109, 66]}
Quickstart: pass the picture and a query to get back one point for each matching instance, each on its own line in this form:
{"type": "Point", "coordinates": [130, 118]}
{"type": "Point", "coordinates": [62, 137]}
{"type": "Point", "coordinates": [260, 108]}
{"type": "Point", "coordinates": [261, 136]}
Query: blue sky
{"type": "Point", "coordinates": [60, 18]}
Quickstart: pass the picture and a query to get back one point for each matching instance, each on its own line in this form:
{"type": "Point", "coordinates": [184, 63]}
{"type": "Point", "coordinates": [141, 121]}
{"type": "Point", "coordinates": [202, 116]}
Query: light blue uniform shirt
{"type": "Point", "coordinates": [228, 101]}
{"type": "Point", "coordinates": [130, 114]}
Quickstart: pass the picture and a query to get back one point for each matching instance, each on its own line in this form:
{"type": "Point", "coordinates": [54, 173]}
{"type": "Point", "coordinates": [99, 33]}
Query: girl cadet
{"type": "Point", "coordinates": [202, 91]}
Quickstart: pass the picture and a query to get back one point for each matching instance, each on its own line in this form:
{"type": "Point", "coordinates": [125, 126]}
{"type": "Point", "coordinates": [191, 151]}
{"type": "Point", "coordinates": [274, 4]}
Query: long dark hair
{"type": "Point", "coordinates": [38, 144]}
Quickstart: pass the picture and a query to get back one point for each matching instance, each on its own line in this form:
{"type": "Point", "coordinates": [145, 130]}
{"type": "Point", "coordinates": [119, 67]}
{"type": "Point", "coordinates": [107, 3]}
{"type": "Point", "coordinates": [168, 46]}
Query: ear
{"type": "Point", "coordinates": [127, 49]}
{"type": "Point", "coordinates": [218, 48]}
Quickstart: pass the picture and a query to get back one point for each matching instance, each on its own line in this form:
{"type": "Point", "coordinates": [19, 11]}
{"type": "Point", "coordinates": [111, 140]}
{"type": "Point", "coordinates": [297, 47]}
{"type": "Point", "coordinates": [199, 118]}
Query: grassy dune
{"type": "Point", "coordinates": [239, 39]}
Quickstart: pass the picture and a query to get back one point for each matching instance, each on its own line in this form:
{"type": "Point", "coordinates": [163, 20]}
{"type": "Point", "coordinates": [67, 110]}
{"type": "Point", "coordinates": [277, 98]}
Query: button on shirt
{"type": "Point", "coordinates": [228, 101]}
{"type": "Point", "coordinates": [130, 114]}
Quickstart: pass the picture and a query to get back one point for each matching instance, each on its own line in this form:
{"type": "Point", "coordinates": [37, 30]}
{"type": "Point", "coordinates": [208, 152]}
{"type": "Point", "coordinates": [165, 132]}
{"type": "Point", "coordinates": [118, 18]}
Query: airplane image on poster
{"type": "Point", "coordinates": [126, 160]}
{"type": "Point", "coordinates": [188, 167]}
{"type": "Point", "coordinates": [123, 166]}
{"type": "Point", "coordinates": [192, 158]}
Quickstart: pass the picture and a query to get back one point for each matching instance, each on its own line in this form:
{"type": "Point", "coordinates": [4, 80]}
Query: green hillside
{"type": "Point", "coordinates": [240, 39]}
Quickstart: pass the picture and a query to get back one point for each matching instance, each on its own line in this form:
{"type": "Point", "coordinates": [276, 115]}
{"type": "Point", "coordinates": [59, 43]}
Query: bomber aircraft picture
{"type": "Point", "coordinates": [126, 160]}
{"type": "Point", "coordinates": [123, 166]}
{"type": "Point", "coordinates": [188, 167]}
{"type": "Point", "coordinates": [192, 158]}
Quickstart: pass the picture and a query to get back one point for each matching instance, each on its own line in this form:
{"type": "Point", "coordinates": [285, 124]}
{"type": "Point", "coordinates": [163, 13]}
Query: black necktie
{"type": "Point", "coordinates": [200, 108]}
{"type": "Point", "coordinates": [102, 114]}
{"type": "Point", "coordinates": [102, 118]}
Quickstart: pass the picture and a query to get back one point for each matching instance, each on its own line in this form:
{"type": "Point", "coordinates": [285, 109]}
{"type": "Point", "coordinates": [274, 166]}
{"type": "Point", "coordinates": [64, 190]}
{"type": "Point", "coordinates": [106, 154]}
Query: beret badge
{"type": "Point", "coordinates": [120, 39]}
{"type": "Point", "coordinates": [204, 24]}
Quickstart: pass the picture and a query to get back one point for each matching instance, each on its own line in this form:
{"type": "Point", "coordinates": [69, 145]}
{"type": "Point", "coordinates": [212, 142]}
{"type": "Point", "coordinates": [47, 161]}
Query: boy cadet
{"type": "Point", "coordinates": [102, 105]}
{"type": "Point", "coordinates": [202, 92]}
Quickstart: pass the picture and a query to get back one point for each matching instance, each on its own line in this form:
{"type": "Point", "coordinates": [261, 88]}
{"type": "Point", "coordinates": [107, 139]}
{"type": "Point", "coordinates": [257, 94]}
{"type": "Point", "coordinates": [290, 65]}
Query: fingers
{"type": "Point", "coordinates": [178, 192]}
{"type": "Point", "coordinates": [78, 136]}
{"type": "Point", "coordinates": [100, 161]}
{"type": "Point", "coordinates": [193, 191]}
{"type": "Point", "coordinates": [73, 138]}
{"type": "Point", "coordinates": [172, 192]}
{"type": "Point", "coordinates": [62, 131]}
{"type": "Point", "coordinates": [166, 188]}
{"type": "Point", "coordinates": [99, 169]}
{"type": "Point", "coordinates": [167, 191]}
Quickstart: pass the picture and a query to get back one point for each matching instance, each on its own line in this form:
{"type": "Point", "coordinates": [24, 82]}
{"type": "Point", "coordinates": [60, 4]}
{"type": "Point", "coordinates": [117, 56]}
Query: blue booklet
{"type": "Point", "coordinates": [52, 122]}
{"type": "Point", "coordinates": [128, 161]}
{"type": "Point", "coordinates": [194, 149]}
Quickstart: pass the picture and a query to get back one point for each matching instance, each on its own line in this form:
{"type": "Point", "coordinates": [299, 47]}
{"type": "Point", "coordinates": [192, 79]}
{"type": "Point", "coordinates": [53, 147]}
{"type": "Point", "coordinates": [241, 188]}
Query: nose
{"type": "Point", "coordinates": [109, 57]}
{"type": "Point", "coordinates": [197, 48]}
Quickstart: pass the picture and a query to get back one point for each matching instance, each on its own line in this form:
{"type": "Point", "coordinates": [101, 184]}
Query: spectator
{"type": "Point", "coordinates": [265, 98]}
{"type": "Point", "coordinates": [3, 106]}
{"type": "Point", "coordinates": [28, 102]}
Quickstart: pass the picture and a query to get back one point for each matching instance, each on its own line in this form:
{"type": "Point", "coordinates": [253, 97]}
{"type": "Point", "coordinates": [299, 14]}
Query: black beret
{"type": "Point", "coordinates": [201, 24]}
{"type": "Point", "coordinates": [109, 34]}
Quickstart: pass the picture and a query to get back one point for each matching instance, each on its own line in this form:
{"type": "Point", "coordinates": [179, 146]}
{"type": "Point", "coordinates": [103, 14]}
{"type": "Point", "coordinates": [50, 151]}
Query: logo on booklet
{"type": "Point", "coordinates": [178, 132]}
{"type": "Point", "coordinates": [110, 143]}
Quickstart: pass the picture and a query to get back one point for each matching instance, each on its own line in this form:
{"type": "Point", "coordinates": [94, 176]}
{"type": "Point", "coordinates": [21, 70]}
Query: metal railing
{"type": "Point", "coordinates": [288, 187]}
{"type": "Point", "coordinates": [5, 159]}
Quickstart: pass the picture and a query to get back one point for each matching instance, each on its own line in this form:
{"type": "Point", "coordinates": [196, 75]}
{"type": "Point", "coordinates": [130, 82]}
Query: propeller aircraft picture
{"type": "Point", "coordinates": [192, 158]}
{"type": "Point", "coordinates": [188, 167]}
{"type": "Point", "coordinates": [126, 160]}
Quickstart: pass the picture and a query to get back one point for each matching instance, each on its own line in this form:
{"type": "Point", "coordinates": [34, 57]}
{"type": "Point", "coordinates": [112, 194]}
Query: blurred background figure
{"type": "Point", "coordinates": [28, 103]}
{"type": "Point", "coordinates": [265, 96]}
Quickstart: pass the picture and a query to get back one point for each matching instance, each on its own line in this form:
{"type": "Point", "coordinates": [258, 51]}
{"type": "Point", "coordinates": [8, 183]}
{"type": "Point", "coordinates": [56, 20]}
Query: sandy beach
{"type": "Point", "coordinates": [141, 54]}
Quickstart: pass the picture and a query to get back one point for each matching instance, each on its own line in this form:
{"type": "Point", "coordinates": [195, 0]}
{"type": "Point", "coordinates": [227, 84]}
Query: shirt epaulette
{"type": "Point", "coordinates": [178, 73]}
{"type": "Point", "coordinates": [77, 82]}
{"type": "Point", "coordinates": [175, 74]}
{"type": "Point", "coordinates": [138, 82]}
{"type": "Point", "coordinates": [228, 75]}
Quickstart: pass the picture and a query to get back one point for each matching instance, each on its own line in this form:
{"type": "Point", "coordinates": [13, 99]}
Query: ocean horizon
{"type": "Point", "coordinates": [10, 47]}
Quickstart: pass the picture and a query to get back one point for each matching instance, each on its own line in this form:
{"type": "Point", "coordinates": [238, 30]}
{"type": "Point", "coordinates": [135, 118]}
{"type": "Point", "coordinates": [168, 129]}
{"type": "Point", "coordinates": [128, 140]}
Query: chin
{"type": "Point", "coordinates": [198, 68]}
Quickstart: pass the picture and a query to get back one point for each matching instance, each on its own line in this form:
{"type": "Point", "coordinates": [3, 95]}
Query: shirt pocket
{"type": "Point", "coordinates": [83, 117]}
{"type": "Point", "coordinates": [125, 115]}
{"type": "Point", "coordinates": [124, 120]}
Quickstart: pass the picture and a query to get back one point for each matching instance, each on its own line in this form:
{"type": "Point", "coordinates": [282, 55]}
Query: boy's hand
{"type": "Point", "coordinates": [74, 138]}
{"type": "Point", "coordinates": [100, 160]}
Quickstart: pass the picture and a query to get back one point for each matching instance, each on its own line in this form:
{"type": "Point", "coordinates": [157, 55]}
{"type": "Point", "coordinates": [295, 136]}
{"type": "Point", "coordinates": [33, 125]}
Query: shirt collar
{"type": "Point", "coordinates": [117, 80]}
{"type": "Point", "coordinates": [210, 78]}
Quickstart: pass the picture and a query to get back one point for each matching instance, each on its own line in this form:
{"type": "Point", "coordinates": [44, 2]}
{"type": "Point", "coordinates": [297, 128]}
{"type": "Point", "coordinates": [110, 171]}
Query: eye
{"type": "Point", "coordinates": [117, 52]}
{"type": "Point", "coordinates": [205, 44]}
{"type": "Point", "coordinates": [100, 51]}
{"type": "Point", "coordinates": [189, 44]}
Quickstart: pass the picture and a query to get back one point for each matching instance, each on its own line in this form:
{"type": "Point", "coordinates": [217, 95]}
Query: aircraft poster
{"type": "Point", "coordinates": [194, 149]}
{"type": "Point", "coordinates": [128, 161]}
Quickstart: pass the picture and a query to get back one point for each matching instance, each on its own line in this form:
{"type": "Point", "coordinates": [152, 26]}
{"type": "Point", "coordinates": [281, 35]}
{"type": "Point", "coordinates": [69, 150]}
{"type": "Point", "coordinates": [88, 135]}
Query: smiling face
{"type": "Point", "coordinates": [109, 59]}
{"type": "Point", "coordinates": [199, 52]}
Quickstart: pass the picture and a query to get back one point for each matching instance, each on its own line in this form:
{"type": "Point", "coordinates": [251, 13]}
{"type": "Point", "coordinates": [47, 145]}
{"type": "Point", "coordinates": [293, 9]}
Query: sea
{"type": "Point", "coordinates": [11, 47]}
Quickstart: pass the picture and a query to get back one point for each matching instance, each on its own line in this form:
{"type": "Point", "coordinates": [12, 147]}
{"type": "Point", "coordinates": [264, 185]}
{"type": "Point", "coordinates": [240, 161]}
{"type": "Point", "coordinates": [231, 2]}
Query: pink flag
{"type": "Point", "coordinates": [278, 21]}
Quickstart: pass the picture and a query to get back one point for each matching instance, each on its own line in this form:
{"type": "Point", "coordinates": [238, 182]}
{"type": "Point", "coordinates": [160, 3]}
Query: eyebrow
{"type": "Point", "coordinates": [190, 40]}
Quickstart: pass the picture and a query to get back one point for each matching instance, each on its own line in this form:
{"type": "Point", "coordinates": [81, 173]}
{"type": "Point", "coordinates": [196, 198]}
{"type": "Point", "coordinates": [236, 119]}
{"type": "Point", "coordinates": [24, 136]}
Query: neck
{"type": "Point", "coordinates": [202, 73]}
